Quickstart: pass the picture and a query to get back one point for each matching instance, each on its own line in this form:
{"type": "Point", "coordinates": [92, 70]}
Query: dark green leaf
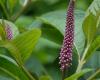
{"type": "Point", "coordinates": [10, 67]}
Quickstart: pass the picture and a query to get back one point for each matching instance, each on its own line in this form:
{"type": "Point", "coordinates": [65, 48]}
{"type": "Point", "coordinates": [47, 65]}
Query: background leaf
{"type": "Point", "coordinates": [10, 67]}
{"type": "Point", "coordinates": [57, 19]}
{"type": "Point", "coordinates": [90, 27]}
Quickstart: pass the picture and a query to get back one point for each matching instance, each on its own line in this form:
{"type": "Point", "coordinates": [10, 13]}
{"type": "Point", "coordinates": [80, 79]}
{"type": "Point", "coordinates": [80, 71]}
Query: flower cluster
{"type": "Point", "coordinates": [9, 34]}
{"type": "Point", "coordinates": [66, 50]}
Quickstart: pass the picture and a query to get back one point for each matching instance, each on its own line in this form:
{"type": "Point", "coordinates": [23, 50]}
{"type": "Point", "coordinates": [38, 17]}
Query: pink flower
{"type": "Point", "coordinates": [9, 34]}
{"type": "Point", "coordinates": [66, 50]}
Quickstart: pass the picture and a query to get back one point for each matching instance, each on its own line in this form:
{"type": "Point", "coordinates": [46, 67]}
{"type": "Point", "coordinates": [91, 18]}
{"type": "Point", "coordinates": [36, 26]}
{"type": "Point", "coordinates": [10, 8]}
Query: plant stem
{"type": "Point", "coordinates": [27, 73]}
{"type": "Point", "coordinates": [63, 74]}
{"type": "Point", "coordinates": [20, 63]}
{"type": "Point", "coordinates": [82, 61]}
{"type": "Point", "coordinates": [92, 76]}
{"type": "Point", "coordinates": [80, 65]}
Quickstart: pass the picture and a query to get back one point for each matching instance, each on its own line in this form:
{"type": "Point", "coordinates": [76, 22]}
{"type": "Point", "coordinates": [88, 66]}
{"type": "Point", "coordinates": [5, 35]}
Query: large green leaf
{"type": "Point", "coordinates": [77, 75]}
{"type": "Point", "coordinates": [57, 20]}
{"type": "Point", "coordinates": [22, 46]}
{"type": "Point", "coordinates": [25, 43]}
{"type": "Point", "coordinates": [94, 45]}
{"type": "Point", "coordinates": [90, 27]}
{"type": "Point", "coordinates": [10, 67]}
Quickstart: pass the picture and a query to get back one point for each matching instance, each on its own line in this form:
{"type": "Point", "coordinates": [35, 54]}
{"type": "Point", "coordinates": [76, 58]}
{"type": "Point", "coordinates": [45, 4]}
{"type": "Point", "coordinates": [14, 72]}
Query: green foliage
{"type": "Point", "coordinates": [28, 39]}
{"type": "Point", "coordinates": [90, 27]}
{"type": "Point", "coordinates": [9, 66]}
{"type": "Point", "coordinates": [57, 20]}
{"type": "Point", "coordinates": [95, 45]}
{"type": "Point", "coordinates": [26, 57]}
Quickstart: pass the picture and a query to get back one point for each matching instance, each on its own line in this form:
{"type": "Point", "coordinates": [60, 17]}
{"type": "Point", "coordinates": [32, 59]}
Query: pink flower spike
{"type": "Point", "coordinates": [66, 50]}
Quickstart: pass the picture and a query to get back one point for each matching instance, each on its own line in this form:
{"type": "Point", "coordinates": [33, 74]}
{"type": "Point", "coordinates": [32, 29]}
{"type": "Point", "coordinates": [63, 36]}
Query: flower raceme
{"type": "Point", "coordinates": [9, 34]}
{"type": "Point", "coordinates": [66, 50]}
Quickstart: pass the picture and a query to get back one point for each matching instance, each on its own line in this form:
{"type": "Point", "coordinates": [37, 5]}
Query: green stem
{"type": "Point", "coordinates": [27, 73]}
{"type": "Point", "coordinates": [80, 65]}
{"type": "Point", "coordinates": [20, 63]}
{"type": "Point", "coordinates": [92, 76]}
{"type": "Point", "coordinates": [4, 10]}
{"type": "Point", "coordinates": [82, 61]}
{"type": "Point", "coordinates": [62, 75]}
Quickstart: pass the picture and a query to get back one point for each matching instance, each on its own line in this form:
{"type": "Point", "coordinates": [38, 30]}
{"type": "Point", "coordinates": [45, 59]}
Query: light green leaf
{"type": "Point", "coordinates": [94, 8]}
{"type": "Point", "coordinates": [57, 20]}
{"type": "Point", "coordinates": [94, 45]}
{"type": "Point", "coordinates": [90, 27]}
{"type": "Point", "coordinates": [9, 67]}
{"type": "Point", "coordinates": [77, 75]}
{"type": "Point", "coordinates": [22, 46]}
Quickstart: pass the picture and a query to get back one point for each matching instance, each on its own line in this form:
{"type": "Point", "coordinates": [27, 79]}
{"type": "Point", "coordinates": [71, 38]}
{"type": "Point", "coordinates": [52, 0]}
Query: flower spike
{"type": "Point", "coordinates": [66, 50]}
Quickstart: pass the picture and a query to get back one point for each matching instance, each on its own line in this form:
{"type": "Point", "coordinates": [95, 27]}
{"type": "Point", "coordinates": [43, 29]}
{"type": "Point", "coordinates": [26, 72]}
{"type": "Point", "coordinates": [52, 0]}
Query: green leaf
{"type": "Point", "coordinates": [77, 75]}
{"type": "Point", "coordinates": [22, 46]}
{"type": "Point", "coordinates": [57, 20]}
{"type": "Point", "coordinates": [94, 8]}
{"type": "Point", "coordinates": [10, 67]}
{"type": "Point", "coordinates": [2, 32]}
{"type": "Point", "coordinates": [45, 78]}
{"type": "Point", "coordinates": [42, 53]}
{"type": "Point", "coordinates": [94, 45]}
{"type": "Point", "coordinates": [24, 21]}
{"type": "Point", "coordinates": [5, 78]}
{"type": "Point", "coordinates": [93, 63]}
{"type": "Point", "coordinates": [90, 27]}
{"type": "Point", "coordinates": [11, 5]}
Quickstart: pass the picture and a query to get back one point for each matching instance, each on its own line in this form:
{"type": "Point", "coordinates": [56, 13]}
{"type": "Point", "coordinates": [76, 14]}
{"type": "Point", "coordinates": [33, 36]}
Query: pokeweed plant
{"type": "Point", "coordinates": [79, 34]}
